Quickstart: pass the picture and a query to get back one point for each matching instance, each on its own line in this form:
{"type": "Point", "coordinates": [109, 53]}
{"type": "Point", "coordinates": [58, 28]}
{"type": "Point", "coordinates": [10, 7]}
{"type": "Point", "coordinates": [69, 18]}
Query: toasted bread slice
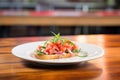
{"type": "Point", "coordinates": [55, 56]}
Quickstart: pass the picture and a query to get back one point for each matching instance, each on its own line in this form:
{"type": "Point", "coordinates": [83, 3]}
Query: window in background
{"type": "Point", "coordinates": [41, 5]}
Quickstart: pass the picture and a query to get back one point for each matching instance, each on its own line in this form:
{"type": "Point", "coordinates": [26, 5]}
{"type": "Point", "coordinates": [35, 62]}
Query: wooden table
{"type": "Point", "coordinates": [60, 21]}
{"type": "Point", "coordinates": [104, 68]}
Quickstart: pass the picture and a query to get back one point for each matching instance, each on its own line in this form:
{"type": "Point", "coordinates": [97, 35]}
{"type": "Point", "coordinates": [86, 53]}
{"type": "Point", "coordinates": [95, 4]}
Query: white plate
{"type": "Point", "coordinates": [24, 51]}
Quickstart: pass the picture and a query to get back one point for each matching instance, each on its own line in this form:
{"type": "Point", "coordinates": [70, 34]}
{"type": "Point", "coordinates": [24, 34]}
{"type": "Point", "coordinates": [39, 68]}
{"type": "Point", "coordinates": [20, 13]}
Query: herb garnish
{"type": "Point", "coordinates": [39, 52]}
{"type": "Point", "coordinates": [76, 51]}
{"type": "Point", "coordinates": [56, 37]}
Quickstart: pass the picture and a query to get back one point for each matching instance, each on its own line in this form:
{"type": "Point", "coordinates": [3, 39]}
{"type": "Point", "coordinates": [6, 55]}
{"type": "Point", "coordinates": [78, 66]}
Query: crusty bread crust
{"type": "Point", "coordinates": [55, 56]}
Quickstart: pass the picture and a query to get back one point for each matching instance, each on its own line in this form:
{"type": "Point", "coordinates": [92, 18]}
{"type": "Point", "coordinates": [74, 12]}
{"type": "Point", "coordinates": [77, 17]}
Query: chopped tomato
{"type": "Point", "coordinates": [58, 47]}
{"type": "Point", "coordinates": [75, 47]}
{"type": "Point", "coordinates": [39, 47]}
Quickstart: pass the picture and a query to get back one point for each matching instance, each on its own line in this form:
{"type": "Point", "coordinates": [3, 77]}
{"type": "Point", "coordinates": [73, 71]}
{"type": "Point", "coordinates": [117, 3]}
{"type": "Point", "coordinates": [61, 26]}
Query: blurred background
{"type": "Point", "coordinates": [56, 8]}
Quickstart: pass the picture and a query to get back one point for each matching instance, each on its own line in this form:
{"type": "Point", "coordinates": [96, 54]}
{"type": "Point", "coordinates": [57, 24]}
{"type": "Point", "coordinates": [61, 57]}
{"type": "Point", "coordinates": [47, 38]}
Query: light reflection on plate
{"type": "Point", "coordinates": [25, 51]}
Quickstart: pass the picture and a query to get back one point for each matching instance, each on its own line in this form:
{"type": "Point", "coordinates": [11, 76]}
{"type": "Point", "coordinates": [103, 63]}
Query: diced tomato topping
{"type": "Point", "coordinates": [58, 47]}
{"type": "Point", "coordinates": [75, 47]}
{"type": "Point", "coordinates": [39, 47]}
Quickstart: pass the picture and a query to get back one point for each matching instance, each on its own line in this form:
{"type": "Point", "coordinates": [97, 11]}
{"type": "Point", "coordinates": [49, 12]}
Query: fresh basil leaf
{"type": "Point", "coordinates": [53, 33]}
{"type": "Point", "coordinates": [43, 47]}
{"type": "Point", "coordinates": [76, 51]}
{"type": "Point", "coordinates": [56, 37]}
{"type": "Point", "coordinates": [71, 43]}
{"type": "Point", "coordinates": [39, 52]}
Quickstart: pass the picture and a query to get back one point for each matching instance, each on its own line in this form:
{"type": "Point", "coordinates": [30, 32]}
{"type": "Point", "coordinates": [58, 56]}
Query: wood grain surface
{"type": "Point", "coordinates": [104, 68]}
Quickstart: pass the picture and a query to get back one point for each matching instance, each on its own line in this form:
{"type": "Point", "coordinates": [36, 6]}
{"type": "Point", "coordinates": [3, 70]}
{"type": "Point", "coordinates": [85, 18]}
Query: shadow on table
{"type": "Point", "coordinates": [80, 71]}
{"type": "Point", "coordinates": [81, 65]}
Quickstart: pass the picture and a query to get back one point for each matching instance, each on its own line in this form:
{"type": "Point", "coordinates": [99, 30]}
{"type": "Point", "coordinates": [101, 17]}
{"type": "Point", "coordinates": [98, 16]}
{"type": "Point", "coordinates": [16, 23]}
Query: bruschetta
{"type": "Point", "coordinates": [57, 48]}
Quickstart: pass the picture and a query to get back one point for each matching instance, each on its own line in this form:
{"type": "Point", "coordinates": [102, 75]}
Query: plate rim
{"type": "Point", "coordinates": [52, 62]}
